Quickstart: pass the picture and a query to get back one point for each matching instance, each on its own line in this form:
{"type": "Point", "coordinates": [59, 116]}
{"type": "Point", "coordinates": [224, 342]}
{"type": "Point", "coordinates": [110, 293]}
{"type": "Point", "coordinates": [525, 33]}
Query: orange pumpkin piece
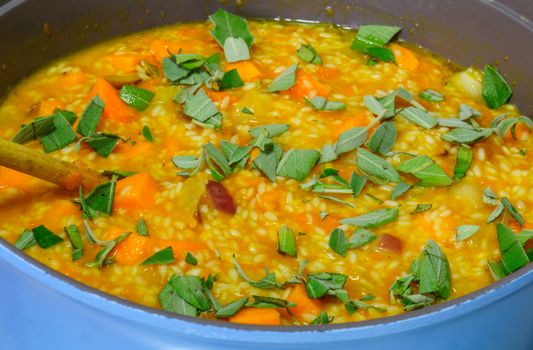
{"type": "Point", "coordinates": [304, 304]}
{"type": "Point", "coordinates": [125, 63]}
{"type": "Point", "coordinates": [267, 317]}
{"type": "Point", "coordinates": [136, 193]}
{"type": "Point", "coordinates": [13, 179]}
{"type": "Point", "coordinates": [47, 107]}
{"type": "Point", "coordinates": [160, 48]}
{"type": "Point", "coordinates": [115, 109]}
{"type": "Point", "coordinates": [404, 57]}
{"type": "Point", "coordinates": [247, 70]}
{"type": "Point", "coordinates": [181, 248]}
{"type": "Point", "coordinates": [307, 86]}
{"type": "Point", "coordinates": [360, 119]}
{"type": "Point", "coordinates": [131, 251]}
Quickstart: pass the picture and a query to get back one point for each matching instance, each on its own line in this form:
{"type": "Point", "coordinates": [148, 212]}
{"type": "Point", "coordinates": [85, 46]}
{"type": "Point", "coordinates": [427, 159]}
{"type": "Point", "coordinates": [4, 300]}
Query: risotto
{"type": "Point", "coordinates": [273, 173]}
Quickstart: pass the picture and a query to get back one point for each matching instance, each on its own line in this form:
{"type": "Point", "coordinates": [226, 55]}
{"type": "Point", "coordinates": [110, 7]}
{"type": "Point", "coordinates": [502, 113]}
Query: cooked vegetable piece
{"type": "Point", "coordinates": [496, 90]}
{"type": "Point", "coordinates": [391, 243]}
{"type": "Point", "coordinates": [286, 241]}
{"type": "Point", "coordinates": [25, 240]}
{"type": "Point", "coordinates": [221, 197]}
{"type": "Point", "coordinates": [45, 238]}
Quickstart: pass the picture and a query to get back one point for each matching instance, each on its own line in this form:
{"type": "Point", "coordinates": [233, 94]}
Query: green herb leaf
{"type": "Point", "coordinates": [191, 289]}
{"type": "Point", "coordinates": [101, 198]}
{"type": "Point", "coordinates": [327, 154]}
{"type": "Point", "coordinates": [147, 134]}
{"type": "Point", "coordinates": [75, 239]}
{"type": "Point", "coordinates": [351, 139]}
{"type": "Point", "coordinates": [45, 238]}
{"type": "Point", "coordinates": [375, 168]}
{"type": "Point", "coordinates": [269, 303]}
{"type": "Point", "coordinates": [41, 126]}
{"type": "Point", "coordinates": [318, 284]}
{"type": "Point", "coordinates": [434, 271]}
{"type": "Point", "coordinates": [465, 231]}
{"type": "Point", "coordinates": [371, 38]}
{"type": "Point", "coordinates": [373, 219]}
{"type": "Point", "coordinates": [200, 107]}
{"type": "Point", "coordinates": [228, 25]}
{"type": "Point", "coordinates": [90, 117]}
{"type": "Point", "coordinates": [267, 282]}
{"type": "Point", "coordinates": [216, 160]}
{"type": "Point", "coordinates": [419, 117]}
{"type": "Point", "coordinates": [510, 123]}
{"type": "Point", "coordinates": [102, 143]}
{"type": "Point", "coordinates": [102, 259]}
{"type": "Point", "coordinates": [297, 163]}
{"type": "Point", "coordinates": [231, 308]}
{"type": "Point", "coordinates": [322, 104]}
{"type": "Point", "coordinates": [496, 90]}
{"type": "Point", "coordinates": [286, 241]}
{"type": "Point", "coordinates": [308, 54]}
{"type": "Point", "coordinates": [496, 270]}
{"type": "Point", "coordinates": [399, 190]}
{"type": "Point", "coordinates": [420, 208]}
{"type": "Point", "coordinates": [25, 240]}
{"type": "Point", "coordinates": [453, 123]}
{"type": "Point", "coordinates": [234, 153]}
{"type": "Point", "coordinates": [337, 241]}
{"type": "Point", "coordinates": [467, 112]}
{"type": "Point", "coordinates": [383, 138]}
{"type": "Point", "coordinates": [524, 236]}
{"type": "Point", "coordinates": [513, 254]}
{"type": "Point", "coordinates": [142, 228]}
{"type": "Point", "coordinates": [191, 259]}
{"type": "Point", "coordinates": [272, 130]}
{"type": "Point", "coordinates": [247, 110]}
{"type": "Point", "coordinates": [136, 97]}
{"type": "Point", "coordinates": [322, 318]}
{"type": "Point", "coordinates": [230, 80]}
{"type": "Point", "coordinates": [60, 137]}
{"type": "Point", "coordinates": [285, 80]}
{"type": "Point", "coordinates": [464, 159]}
{"type": "Point", "coordinates": [164, 256]}
{"type": "Point", "coordinates": [361, 237]}
{"type": "Point", "coordinates": [357, 183]}
{"type": "Point", "coordinates": [267, 163]}
{"type": "Point", "coordinates": [381, 53]}
{"type": "Point", "coordinates": [425, 169]}
{"type": "Point", "coordinates": [513, 211]}
{"type": "Point", "coordinates": [171, 301]}
{"type": "Point", "coordinates": [495, 213]}
{"type": "Point", "coordinates": [172, 71]}
{"type": "Point", "coordinates": [466, 135]}
{"type": "Point", "coordinates": [186, 162]}
{"type": "Point", "coordinates": [431, 96]}
{"type": "Point", "coordinates": [236, 49]}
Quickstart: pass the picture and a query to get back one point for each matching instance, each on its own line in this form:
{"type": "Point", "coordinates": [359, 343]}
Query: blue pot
{"type": "Point", "coordinates": [41, 309]}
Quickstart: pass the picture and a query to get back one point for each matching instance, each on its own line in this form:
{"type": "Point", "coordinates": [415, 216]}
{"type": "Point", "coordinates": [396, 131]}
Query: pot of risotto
{"type": "Point", "coordinates": [281, 174]}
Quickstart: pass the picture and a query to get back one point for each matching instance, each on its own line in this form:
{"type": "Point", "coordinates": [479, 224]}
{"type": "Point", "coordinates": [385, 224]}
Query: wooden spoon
{"type": "Point", "coordinates": [65, 174]}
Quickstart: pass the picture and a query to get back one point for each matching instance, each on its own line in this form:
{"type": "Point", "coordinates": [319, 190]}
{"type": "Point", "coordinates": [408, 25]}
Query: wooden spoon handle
{"type": "Point", "coordinates": [67, 175]}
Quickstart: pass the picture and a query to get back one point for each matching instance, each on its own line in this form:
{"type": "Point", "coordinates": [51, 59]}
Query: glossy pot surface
{"type": "Point", "coordinates": [41, 309]}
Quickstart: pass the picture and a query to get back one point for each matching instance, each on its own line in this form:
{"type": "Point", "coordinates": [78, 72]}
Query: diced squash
{"type": "Point", "coordinates": [306, 309]}
{"type": "Point", "coordinates": [404, 57]}
{"type": "Point", "coordinates": [307, 86]}
{"type": "Point", "coordinates": [71, 79]}
{"type": "Point", "coordinates": [360, 119]}
{"type": "Point", "coordinates": [14, 179]}
{"type": "Point", "coordinates": [115, 109]}
{"type": "Point", "coordinates": [136, 193]}
{"type": "Point", "coordinates": [125, 62]}
{"type": "Point", "coordinates": [130, 151]}
{"type": "Point", "coordinates": [247, 70]}
{"type": "Point", "coordinates": [160, 48]}
{"type": "Point", "coordinates": [47, 107]}
{"type": "Point", "coordinates": [267, 317]}
{"type": "Point", "coordinates": [131, 251]}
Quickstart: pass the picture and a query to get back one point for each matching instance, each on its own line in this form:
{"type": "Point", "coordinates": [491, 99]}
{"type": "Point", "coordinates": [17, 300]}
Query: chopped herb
{"type": "Point", "coordinates": [297, 163]}
{"type": "Point", "coordinates": [101, 198]}
{"type": "Point", "coordinates": [286, 241]}
{"type": "Point", "coordinates": [465, 231]}
{"type": "Point", "coordinates": [467, 112]}
{"type": "Point", "coordinates": [285, 80]}
{"type": "Point", "coordinates": [337, 241]}
{"type": "Point", "coordinates": [147, 134]}
{"type": "Point", "coordinates": [425, 169]}
{"type": "Point", "coordinates": [420, 208]}
{"type": "Point", "coordinates": [186, 162]}
{"type": "Point", "coordinates": [322, 318]}
{"type": "Point", "coordinates": [351, 139]}
{"type": "Point", "coordinates": [164, 256]}
{"type": "Point", "coordinates": [375, 168]}
{"type": "Point", "coordinates": [101, 143]}
{"type": "Point", "coordinates": [186, 295]}
{"type": "Point", "coordinates": [322, 104]}
{"type": "Point", "coordinates": [524, 236]}
{"type": "Point", "coordinates": [373, 219]}
{"type": "Point", "coordinates": [399, 190]}
{"type": "Point", "coordinates": [496, 270]}
{"type": "Point", "coordinates": [230, 80]}
{"type": "Point", "coordinates": [228, 25]}
{"type": "Point", "coordinates": [267, 162]}
{"type": "Point", "coordinates": [62, 135]}
{"type": "Point", "coordinates": [464, 159]}
{"type": "Point", "coordinates": [217, 162]}
{"type": "Point", "coordinates": [489, 197]}
{"type": "Point", "coordinates": [513, 211]}
{"type": "Point", "coordinates": [171, 301]}
{"type": "Point", "coordinates": [383, 138]}
{"type": "Point", "coordinates": [419, 117]}
{"type": "Point", "coordinates": [75, 239]}
{"type": "Point", "coordinates": [142, 228]}
{"type": "Point", "coordinates": [234, 153]}
{"type": "Point", "coordinates": [173, 71]}
{"type": "Point", "coordinates": [381, 53]}
{"type": "Point", "coordinates": [495, 213]}
{"type": "Point", "coordinates": [323, 215]}
{"type": "Point", "coordinates": [247, 110]}
{"type": "Point", "coordinates": [25, 240]}
{"type": "Point", "coordinates": [466, 135]}
{"type": "Point", "coordinates": [434, 271]}
{"type": "Point", "coordinates": [269, 303]}
{"type": "Point", "coordinates": [45, 238]}
{"type": "Point", "coordinates": [327, 154]}
{"type": "Point", "coordinates": [318, 284]}
{"type": "Point", "coordinates": [374, 105]}
{"type": "Point", "coordinates": [361, 237]}
{"type": "Point", "coordinates": [370, 39]}
{"type": "Point", "coordinates": [236, 49]}
{"type": "Point", "coordinates": [272, 130]}
{"type": "Point", "coordinates": [136, 97]}
{"type": "Point", "coordinates": [431, 96]}
{"type": "Point", "coordinates": [406, 95]}
{"type": "Point", "coordinates": [510, 123]}
{"type": "Point", "coordinates": [191, 259]}
{"type": "Point", "coordinates": [453, 123]}
{"type": "Point", "coordinates": [338, 200]}
{"type": "Point", "coordinates": [90, 117]}
{"type": "Point", "coordinates": [267, 282]}
{"type": "Point", "coordinates": [201, 108]}
{"type": "Point", "coordinates": [41, 126]}
{"type": "Point", "coordinates": [231, 308]}
{"type": "Point", "coordinates": [513, 254]}
{"type": "Point", "coordinates": [496, 90]}
{"type": "Point", "coordinates": [357, 183]}
{"type": "Point", "coordinates": [308, 54]}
